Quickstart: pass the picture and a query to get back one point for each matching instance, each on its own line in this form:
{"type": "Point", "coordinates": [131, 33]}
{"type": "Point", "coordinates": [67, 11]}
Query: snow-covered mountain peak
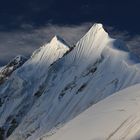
{"type": "Point", "coordinates": [98, 42]}
{"type": "Point", "coordinates": [97, 28]}
{"type": "Point", "coordinates": [58, 42]}
{"type": "Point", "coordinates": [56, 38]}
{"type": "Point", "coordinates": [98, 25]}
{"type": "Point", "coordinates": [95, 36]}
{"type": "Point", "coordinates": [55, 46]}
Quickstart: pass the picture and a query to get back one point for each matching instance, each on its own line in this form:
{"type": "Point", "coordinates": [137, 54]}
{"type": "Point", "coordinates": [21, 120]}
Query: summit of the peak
{"type": "Point", "coordinates": [96, 32]}
{"type": "Point", "coordinates": [57, 39]}
{"type": "Point", "coordinates": [100, 25]}
{"type": "Point", "coordinates": [97, 27]}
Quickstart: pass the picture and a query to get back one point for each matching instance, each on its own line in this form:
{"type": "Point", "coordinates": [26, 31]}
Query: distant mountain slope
{"type": "Point", "coordinates": [115, 118]}
{"type": "Point", "coordinates": [96, 68]}
{"type": "Point", "coordinates": [22, 89]}
{"type": "Point", "coordinates": [7, 70]}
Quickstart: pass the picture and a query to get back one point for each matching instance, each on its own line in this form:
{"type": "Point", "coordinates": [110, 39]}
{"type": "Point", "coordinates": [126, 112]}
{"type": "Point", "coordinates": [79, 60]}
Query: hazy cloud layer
{"type": "Point", "coordinates": [132, 41]}
{"type": "Point", "coordinates": [26, 40]}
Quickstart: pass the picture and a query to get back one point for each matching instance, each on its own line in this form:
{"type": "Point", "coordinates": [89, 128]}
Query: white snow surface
{"type": "Point", "coordinates": [19, 93]}
{"type": "Point", "coordinates": [97, 67]}
{"type": "Point", "coordinates": [57, 84]}
{"type": "Point", "coordinates": [114, 118]}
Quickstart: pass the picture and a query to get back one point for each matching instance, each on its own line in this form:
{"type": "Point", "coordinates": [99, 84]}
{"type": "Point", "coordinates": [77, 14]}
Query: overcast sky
{"type": "Point", "coordinates": [27, 24]}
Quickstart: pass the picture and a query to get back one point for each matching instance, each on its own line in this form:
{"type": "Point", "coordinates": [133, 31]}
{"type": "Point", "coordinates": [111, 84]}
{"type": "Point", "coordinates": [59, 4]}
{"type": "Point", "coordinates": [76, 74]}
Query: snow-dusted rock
{"type": "Point", "coordinates": [7, 70]}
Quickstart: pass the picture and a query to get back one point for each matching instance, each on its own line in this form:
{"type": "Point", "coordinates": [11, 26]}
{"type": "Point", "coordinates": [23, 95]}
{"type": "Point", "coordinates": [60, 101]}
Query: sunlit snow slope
{"type": "Point", "coordinates": [97, 67]}
{"type": "Point", "coordinates": [24, 87]}
{"type": "Point", "coordinates": [115, 118]}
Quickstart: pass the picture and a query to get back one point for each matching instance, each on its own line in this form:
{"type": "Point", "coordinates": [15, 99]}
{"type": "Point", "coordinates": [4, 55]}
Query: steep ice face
{"type": "Point", "coordinates": [23, 88]}
{"type": "Point", "coordinates": [7, 70]}
{"type": "Point", "coordinates": [97, 67]}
